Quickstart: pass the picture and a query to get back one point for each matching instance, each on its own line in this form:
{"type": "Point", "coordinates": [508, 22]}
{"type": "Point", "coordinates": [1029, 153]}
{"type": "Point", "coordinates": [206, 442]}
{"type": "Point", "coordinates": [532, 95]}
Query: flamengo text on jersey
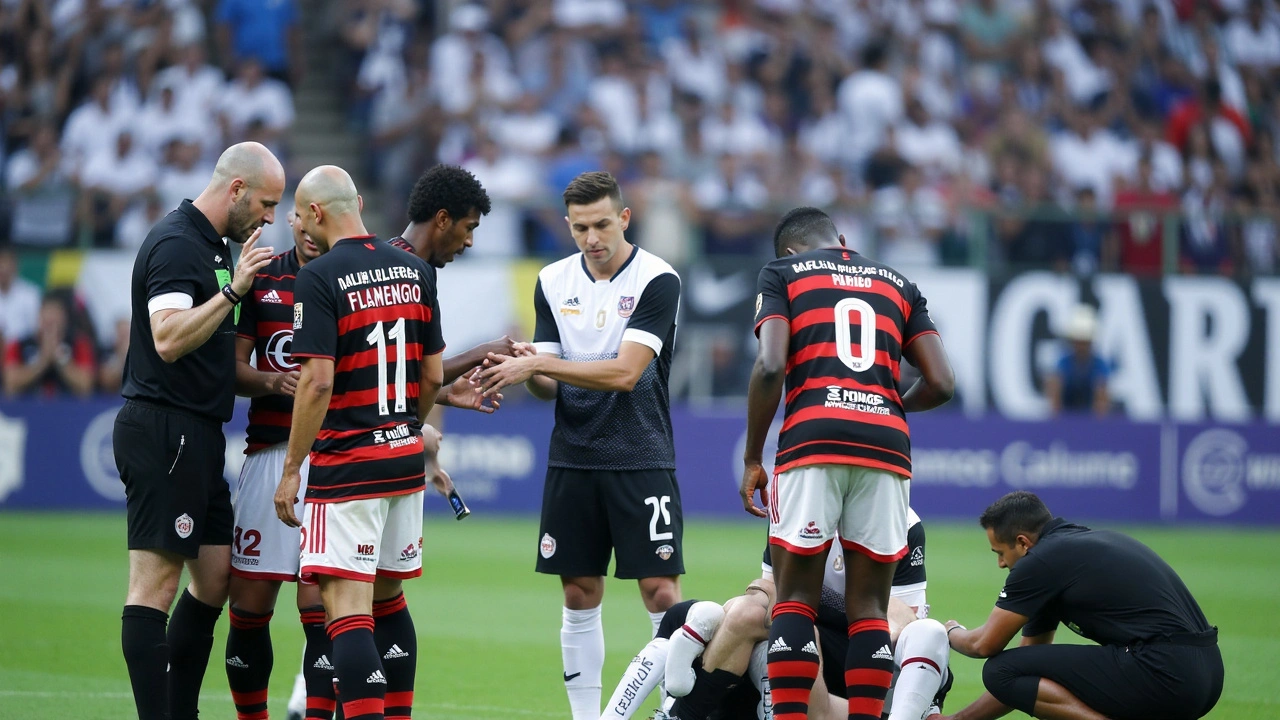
{"type": "Point", "coordinates": [376, 275]}
{"type": "Point", "coordinates": [848, 270]}
{"type": "Point", "coordinates": [384, 295]}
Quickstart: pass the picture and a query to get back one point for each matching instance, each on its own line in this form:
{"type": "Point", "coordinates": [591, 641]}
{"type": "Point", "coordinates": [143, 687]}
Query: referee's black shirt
{"type": "Point", "coordinates": [1103, 585]}
{"type": "Point", "coordinates": [182, 255]}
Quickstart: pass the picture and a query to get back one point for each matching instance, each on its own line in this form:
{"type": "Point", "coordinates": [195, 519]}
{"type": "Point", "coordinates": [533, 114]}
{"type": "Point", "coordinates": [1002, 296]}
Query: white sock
{"type": "Point", "coordinates": [656, 619]}
{"type": "Point", "coordinates": [922, 651]}
{"type": "Point", "coordinates": [687, 644]}
{"type": "Point", "coordinates": [582, 649]}
{"type": "Point", "coordinates": [758, 672]}
{"type": "Point", "coordinates": [642, 676]}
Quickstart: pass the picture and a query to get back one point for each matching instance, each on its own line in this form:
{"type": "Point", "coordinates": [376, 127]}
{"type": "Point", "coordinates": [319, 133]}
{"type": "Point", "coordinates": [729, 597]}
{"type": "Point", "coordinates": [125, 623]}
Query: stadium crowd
{"type": "Point", "coordinates": [1076, 135]}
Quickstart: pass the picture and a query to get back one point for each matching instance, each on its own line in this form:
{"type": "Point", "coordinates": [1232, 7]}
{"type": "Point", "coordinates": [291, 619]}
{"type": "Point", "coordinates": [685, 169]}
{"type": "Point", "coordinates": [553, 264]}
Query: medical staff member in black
{"type": "Point", "coordinates": [1156, 654]}
{"type": "Point", "coordinates": [179, 387]}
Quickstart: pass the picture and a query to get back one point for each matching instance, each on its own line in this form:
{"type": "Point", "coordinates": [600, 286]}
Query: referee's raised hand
{"type": "Point", "coordinates": [252, 259]}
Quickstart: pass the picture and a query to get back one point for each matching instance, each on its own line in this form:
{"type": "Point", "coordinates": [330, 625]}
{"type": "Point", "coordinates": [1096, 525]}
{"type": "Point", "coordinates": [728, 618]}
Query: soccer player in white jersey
{"type": "Point", "coordinates": [604, 335]}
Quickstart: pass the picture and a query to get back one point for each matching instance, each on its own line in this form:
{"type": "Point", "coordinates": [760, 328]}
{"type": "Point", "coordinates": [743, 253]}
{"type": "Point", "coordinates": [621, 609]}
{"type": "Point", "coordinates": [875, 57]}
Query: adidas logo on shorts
{"type": "Point", "coordinates": [884, 653]}
{"type": "Point", "coordinates": [323, 663]}
{"type": "Point", "coordinates": [810, 647]}
{"type": "Point", "coordinates": [377, 677]}
{"type": "Point", "coordinates": [779, 645]}
{"type": "Point", "coordinates": [395, 652]}
{"type": "Point", "coordinates": [236, 662]}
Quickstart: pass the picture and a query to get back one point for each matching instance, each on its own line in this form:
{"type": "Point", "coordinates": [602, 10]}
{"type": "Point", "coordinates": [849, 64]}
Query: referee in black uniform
{"type": "Point", "coordinates": [1156, 655]}
{"type": "Point", "coordinates": [179, 385]}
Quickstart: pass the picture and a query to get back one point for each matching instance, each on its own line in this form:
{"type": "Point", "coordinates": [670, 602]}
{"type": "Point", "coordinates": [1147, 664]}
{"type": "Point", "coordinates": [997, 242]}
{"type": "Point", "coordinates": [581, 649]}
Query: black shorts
{"type": "Point", "coordinates": [587, 514]}
{"type": "Point", "coordinates": [742, 700]}
{"type": "Point", "coordinates": [171, 465]}
{"type": "Point", "coordinates": [1165, 682]}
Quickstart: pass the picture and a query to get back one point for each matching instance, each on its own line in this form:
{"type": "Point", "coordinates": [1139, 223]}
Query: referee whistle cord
{"type": "Point", "coordinates": [182, 443]}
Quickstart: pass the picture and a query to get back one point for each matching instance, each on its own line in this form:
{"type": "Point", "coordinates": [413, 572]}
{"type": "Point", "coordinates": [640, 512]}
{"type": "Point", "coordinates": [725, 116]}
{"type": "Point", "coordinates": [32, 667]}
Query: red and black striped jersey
{"type": "Point", "coordinates": [402, 244]}
{"type": "Point", "coordinates": [266, 318]}
{"type": "Point", "coordinates": [850, 318]}
{"type": "Point", "coordinates": [373, 310]}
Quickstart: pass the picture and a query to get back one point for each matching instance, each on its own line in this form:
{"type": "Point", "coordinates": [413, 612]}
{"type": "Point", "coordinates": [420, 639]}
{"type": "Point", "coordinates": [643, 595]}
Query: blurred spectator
{"type": "Point", "coordinates": [1088, 233]}
{"type": "Point", "coordinates": [264, 30]}
{"type": "Point", "coordinates": [196, 84]}
{"type": "Point", "coordinates": [93, 127]}
{"type": "Point", "coordinates": [111, 368]}
{"type": "Point", "coordinates": [1207, 107]}
{"type": "Point", "coordinates": [52, 360]}
{"type": "Point", "coordinates": [661, 221]}
{"type": "Point", "coordinates": [557, 66]}
{"type": "Point", "coordinates": [183, 175]}
{"type": "Point", "coordinates": [871, 101]}
{"type": "Point", "coordinates": [1258, 209]}
{"type": "Point", "coordinates": [134, 224]}
{"type": "Point", "coordinates": [1141, 211]}
{"type": "Point", "coordinates": [731, 200]}
{"type": "Point", "coordinates": [695, 63]}
{"type": "Point", "coordinates": [1207, 241]}
{"type": "Point", "coordinates": [468, 51]}
{"type": "Point", "coordinates": [1078, 383]}
{"type": "Point", "coordinates": [929, 144]}
{"type": "Point", "coordinates": [19, 299]}
{"type": "Point", "coordinates": [42, 191]}
{"type": "Point", "coordinates": [111, 181]}
{"type": "Point", "coordinates": [1035, 235]}
{"type": "Point", "coordinates": [512, 180]}
{"type": "Point", "coordinates": [163, 121]}
{"type": "Point", "coordinates": [910, 219]}
{"type": "Point", "coordinates": [1254, 40]}
{"type": "Point", "coordinates": [526, 128]}
{"type": "Point", "coordinates": [253, 96]}
{"type": "Point", "coordinates": [1089, 153]}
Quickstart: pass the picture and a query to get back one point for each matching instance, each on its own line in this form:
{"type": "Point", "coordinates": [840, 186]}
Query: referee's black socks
{"type": "Point", "coordinates": [398, 647]}
{"type": "Point", "coordinates": [190, 642]}
{"type": "Point", "coordinates": [249, 661]}
{"type": "Point", "coordinates": [146, 653]}
{"type": "Point", "coordinates": [362, 685]}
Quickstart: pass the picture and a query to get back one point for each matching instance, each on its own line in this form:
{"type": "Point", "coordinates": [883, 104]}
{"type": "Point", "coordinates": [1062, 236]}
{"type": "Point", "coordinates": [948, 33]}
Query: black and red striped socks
{"type": "Point", "coordinates": [868, 668]}
{"type": "Point", "coordinates": [362, 685]}
{"type": "Point", "coordinates": [793, 659]}
{"type": "Point", "coordinates": [317, 667]}
{"type": "Point", "coordinates": [249, 661]}
{"type": "Point", "coordinates": [398, 647]}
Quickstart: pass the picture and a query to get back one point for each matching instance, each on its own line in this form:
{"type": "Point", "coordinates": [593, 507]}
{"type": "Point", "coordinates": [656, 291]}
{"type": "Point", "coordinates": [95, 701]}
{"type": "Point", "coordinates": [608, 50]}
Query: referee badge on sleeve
{"type": "Point", "coordinates": [297, 316]}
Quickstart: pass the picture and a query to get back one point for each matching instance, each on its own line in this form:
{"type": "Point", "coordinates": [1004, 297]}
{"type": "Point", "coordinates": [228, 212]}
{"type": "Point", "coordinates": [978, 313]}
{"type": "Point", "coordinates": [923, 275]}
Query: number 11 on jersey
{"type": "Point", "coordinates": [376, 337]}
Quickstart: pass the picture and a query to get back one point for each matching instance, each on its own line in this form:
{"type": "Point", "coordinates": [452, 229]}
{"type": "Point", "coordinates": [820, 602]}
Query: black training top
{"type": "Point", "coordinates": [1103, 585]}
{"type": "Point", "coordinates": [182, 263]}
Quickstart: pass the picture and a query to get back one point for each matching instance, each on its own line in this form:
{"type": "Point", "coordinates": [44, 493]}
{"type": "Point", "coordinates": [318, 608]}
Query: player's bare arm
{"type": "Point", "coordinates": [315, 386]}
{"type": "Point", "coordinates": [937, 383]}
{"type": "Point", "coordinates": [178, 332]}
{"type": "Point", "coordinates": [763, 395]}
{"type": "Point", "coordinates": [614, 375]}
{"type": "Point", "coordinates": [252, 382]}
{"type": "Point", "coordinates": [429, 385]}
{"type": "Point", "coordinates": [463, 363]}
{"type": "Point", "coordinates": [987, 639]}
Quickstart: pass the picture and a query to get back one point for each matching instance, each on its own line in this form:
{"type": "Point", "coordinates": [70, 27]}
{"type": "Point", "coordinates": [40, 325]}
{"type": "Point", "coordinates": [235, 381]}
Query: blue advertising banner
{"type": "Point", "coordinates": [58, 455]}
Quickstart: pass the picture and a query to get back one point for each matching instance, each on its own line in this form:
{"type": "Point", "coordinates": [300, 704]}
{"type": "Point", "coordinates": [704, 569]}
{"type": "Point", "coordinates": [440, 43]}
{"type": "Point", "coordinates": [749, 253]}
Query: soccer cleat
{"type": "Point", "coordinates": [297, 707]}
{"type": "Point", "coordinates": [687, 644]}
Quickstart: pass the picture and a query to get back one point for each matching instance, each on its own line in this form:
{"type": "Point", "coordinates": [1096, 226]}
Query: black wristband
{"type": "Point", "coordinates": [230, 294]}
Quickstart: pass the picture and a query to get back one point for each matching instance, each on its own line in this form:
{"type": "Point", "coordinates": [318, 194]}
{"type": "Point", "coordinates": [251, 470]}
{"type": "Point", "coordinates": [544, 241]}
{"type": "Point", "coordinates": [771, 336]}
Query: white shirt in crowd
{"type": "Point", "coordinates": [934, 145]}
{"type": "Point", "coordinates": [871, 101]}
{"type": "Point", "coordinates": [19, 308]}
{"type": "Point", "coordinates": [90, 129]}
{"type": "Point", "coordinates": [200, 90]}
{"type": "Point", "coordinates": [126, 175]}
{"type": "Point", "coordinates": [510, 181]}
{"type": "Point", "coordinates": [1092, 161]}
{"type": "Point", "coordinates": [175, 184]}
{"type": "Point", "coordinates": [1258, 48]}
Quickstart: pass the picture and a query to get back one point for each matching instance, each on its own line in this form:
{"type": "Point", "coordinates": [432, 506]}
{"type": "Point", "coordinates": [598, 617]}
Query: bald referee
{"type": "Point", "coordinates": [179, 387]}
{"type": "Point", "coordinates": [1156, 655]}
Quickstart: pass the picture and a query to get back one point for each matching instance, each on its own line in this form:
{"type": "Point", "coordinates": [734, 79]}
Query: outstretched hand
{"type": "Point", "coordinates": [754, 478]}
{"type": "Point", "coordinates": [465, 393]}
{"type": "Point", "coordinates": [500, 371]}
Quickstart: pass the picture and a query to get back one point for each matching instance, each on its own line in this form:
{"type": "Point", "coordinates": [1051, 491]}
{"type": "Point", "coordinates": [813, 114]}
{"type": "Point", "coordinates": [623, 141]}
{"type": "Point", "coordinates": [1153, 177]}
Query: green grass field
{"type": "Point", "coordinates": [488, 625]}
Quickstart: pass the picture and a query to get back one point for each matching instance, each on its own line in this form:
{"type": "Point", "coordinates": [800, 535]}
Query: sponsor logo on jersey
{"type": "Point", "coordinates": [572, 306]}
{"type": "Point", "coordinates": [811, 531]}
{"type": "Point", "coordinates": [277, 351]}
{"type": "Point", "coordinates": [855, 400]}
{"type": "Point", "coordinates": [917, 557]}
{"type": "Point", "coordinates": [626, 306]}
{"type": "Point", "coordinates": [548, 545]}
{"type": "Point", "coordinates": [665, 552]}
{"type": "Point", "coordinates": [271, 296]}
{"type": "Point", "coordinates": [397, 436]}
{"type": "Point", "coordinates": [184, 525]}
{"type": "Point", "coordinates": [364, 549]}
{"type": "Point", "coordinates": [409, 553]}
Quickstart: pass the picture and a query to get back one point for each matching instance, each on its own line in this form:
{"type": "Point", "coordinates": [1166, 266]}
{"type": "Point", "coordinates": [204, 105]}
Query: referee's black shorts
{"type": "Point", "coordinates": [171, 465]}
{"type": "Point", "coordinates": [1162, 681]}
{"type": "Point", "coordinates": [587, 515]}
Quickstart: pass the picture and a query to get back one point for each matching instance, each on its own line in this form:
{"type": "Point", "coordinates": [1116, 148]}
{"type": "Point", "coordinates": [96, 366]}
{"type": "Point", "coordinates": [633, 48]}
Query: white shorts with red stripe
{"type": "Point", "coordinates": [263, 548]}
{"type": "Point", "coordinates": [363, 539]}
{"type": "Point", "coordinates": [866, 508]}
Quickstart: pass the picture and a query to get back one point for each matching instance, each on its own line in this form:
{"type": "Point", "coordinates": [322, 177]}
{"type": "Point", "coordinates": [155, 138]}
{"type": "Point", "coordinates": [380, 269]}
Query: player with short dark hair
{"type": "Point", "coordinates": [1156, 655]}
{"type": "Point", "coordinates": [168, 439]}
{"type": "Point", "coordinates": [606, 324]}
{"type": "Point", "coordinates": [835, 326]}
{"type": "Point", "coordinates": [367, 334]}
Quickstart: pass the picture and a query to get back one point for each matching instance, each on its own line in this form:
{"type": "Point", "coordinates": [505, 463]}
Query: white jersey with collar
{"type": "Point", "coordinates": [581, 319]}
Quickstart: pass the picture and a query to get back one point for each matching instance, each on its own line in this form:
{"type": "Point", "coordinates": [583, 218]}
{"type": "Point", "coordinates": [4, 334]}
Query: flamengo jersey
{"type": "Point", "coordinates": [266, 318]}
{"type": "Point", "coordinates": [582, 319]}
{"type": "Point", "coordinates": [373, 309]}
{"type": "Point", "coordinates": [850, 318]}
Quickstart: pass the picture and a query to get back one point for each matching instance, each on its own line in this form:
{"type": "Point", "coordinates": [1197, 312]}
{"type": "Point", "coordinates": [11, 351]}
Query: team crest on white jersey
{"type": "Point", "coordinates": [626, 306]}
{"type": "Point", "coordinates": [548, 545]}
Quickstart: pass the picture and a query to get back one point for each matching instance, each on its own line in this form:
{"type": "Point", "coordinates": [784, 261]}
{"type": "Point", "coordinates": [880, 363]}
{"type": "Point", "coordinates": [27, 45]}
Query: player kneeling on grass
{"type": "Point", "coordinates": [367, 334]}
{"type": "Point", "coordinates": [1156, 655]}
{"type": "Point", "coordinates": [714, 660]}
